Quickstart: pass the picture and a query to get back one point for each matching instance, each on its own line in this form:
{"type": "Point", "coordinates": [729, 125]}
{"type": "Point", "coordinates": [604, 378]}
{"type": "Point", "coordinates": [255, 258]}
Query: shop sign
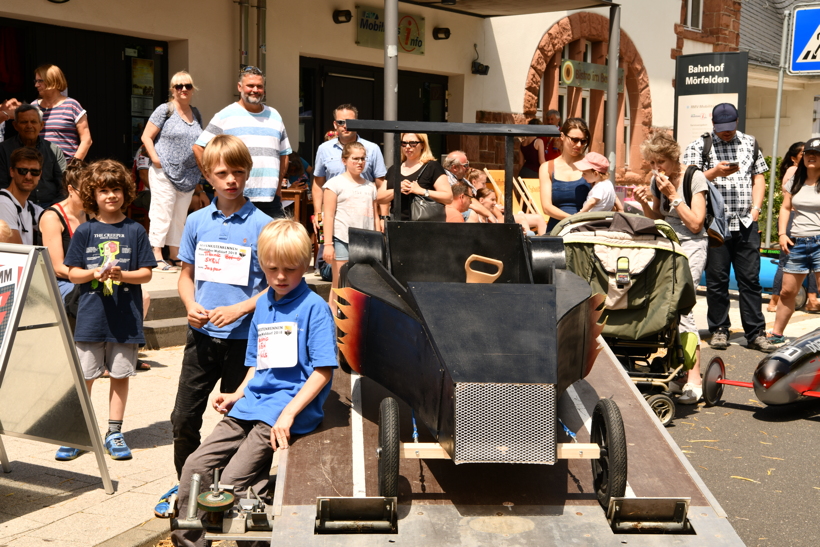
{"type": "Point", "coordinates": [588, 75]}
{"type": "Point", "coordinates": [370, 30]}
{"type": "Point", "coordinates": [703, 80]}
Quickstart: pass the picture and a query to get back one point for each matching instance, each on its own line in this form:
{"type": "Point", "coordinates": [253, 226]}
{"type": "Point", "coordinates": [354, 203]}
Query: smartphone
{"type": "Point", "coordinates": [733, 164]}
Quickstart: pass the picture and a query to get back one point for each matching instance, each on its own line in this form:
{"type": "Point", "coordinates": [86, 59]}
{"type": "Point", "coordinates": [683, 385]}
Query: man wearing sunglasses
{"type": "Point", "coordinates": [19, 213]}
{"type": "Point", "coordinates": [261, 128]}
{"type": "Point", "coordinates": [329, 164]}
{"type": "Point", "coordinates": [28, 121]}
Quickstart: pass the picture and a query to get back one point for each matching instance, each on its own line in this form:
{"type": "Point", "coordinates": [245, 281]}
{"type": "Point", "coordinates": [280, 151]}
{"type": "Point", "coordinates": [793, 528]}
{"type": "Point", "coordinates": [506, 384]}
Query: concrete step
{"type": "Point", "coordinates": [165, 304]}
{"type": "Point", "coordinates": [166, 324]}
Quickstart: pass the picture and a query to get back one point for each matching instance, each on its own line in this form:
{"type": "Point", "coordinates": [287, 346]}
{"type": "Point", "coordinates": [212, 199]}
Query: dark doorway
{"type": "Point", "coordinates": [98, 67]}
{"type": "Point", "coordinates": [326, 84]}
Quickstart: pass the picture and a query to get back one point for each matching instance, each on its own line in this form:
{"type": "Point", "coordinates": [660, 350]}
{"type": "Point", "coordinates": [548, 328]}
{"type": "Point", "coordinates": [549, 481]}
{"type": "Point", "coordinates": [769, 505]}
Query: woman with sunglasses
{"type": "Point", "coordinates": [65, 121]}
{"type": "Point", "coordinates": [801, 242]}
{"type": "Point", "coordinates": [170, 133]}
{"type": "Point", "coordinates": [563, 187]}
{"type": "Point", "coordinates": [420, 174]}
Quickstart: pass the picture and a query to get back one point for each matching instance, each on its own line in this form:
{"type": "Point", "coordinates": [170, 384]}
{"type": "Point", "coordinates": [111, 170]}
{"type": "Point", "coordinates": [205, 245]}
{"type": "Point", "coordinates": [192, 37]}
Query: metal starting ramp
{"type": "Point", "coordinates": [440, 503]}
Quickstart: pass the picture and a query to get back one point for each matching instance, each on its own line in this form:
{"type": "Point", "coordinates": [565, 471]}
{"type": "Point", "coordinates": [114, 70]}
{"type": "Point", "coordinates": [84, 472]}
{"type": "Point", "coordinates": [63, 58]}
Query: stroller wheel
{"type": "Point", "coordinates": [713, 391]}
{"type": "Point", "coordinates": [663, 406]}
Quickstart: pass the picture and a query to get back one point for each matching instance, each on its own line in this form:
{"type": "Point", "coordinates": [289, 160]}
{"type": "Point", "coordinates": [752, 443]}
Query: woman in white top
{"type": "Point", "coordinates": [687, 219]}
{"type": "Point", "coordinates": [349, 202]}
{"type": "Point", "coordinates": [801, 194]}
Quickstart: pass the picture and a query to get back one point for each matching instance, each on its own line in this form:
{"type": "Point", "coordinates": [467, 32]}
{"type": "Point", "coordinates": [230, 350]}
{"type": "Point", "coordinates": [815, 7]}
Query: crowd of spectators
{"type": "Point", "coordinates": [241, 314]}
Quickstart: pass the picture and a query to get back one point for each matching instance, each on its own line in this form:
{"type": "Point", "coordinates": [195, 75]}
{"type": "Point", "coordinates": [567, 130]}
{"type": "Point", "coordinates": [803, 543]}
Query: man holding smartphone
{"type": "Point", "coordinates": [735, 164]}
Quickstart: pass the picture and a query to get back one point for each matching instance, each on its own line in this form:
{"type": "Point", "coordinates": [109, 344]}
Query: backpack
{"type": "Point", "coordinates": [35, 220]}
{"type": "Point", "coordinates": [195, 110]}
{"type": "Point", "coordinates": [717, 227]}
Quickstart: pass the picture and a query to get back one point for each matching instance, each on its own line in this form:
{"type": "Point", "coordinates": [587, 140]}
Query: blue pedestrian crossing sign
{"type": "Point", "coordinates": [804, 51]}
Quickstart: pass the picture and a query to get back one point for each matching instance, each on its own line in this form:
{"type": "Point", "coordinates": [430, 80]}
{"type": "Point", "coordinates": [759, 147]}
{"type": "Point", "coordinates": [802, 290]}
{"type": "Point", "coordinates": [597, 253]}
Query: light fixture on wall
{"type": "Point", "coordinates": [479, 68]}
{"type": "Point", "coordinates": [58, 1]}
{"type": "Point", "coordinates": [448, 2]}
{"type": "Point", "coordinates": [341, 16]}
{"type": "Point", "coordinates": [441, 33]}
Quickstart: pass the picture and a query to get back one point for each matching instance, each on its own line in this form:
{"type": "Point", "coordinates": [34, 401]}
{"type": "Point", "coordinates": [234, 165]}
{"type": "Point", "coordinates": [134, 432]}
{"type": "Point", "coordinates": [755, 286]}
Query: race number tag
{"type": "Point", "coordinates": [223, 263]}
{"type": "Point", "coordinates": [277, 345]}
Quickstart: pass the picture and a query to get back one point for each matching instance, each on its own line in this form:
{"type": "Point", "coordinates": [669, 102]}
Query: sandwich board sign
{"type": "Point", "coordinates": [42, 390]}
{"type": "Point", "coordinates": [804, 40]}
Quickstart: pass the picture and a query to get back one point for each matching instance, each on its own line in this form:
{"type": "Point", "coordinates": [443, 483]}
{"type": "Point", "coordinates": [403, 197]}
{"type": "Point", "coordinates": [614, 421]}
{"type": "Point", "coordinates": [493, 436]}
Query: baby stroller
{"type": "Point", "coordinates": [644, 273]}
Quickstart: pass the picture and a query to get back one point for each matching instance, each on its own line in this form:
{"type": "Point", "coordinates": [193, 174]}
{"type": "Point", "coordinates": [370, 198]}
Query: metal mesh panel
{"type": "Point", "coordinates": [509, 423]}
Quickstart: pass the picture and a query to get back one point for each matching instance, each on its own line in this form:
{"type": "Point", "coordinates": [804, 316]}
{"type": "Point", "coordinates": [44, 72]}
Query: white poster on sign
{"type": "Point", "coordinates": [695, 115]}
{"type": "Point", "coordinates": [223, 263]}
{"type": "Point", "coordinates": [277, 345]}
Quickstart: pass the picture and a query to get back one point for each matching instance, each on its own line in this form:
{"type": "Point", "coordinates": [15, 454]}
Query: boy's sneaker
{"type": "Point", "coordinates": [165, 506]}
{"type": "Point", "coordinates": [691, 394]}
{"type": "Point", "coordinates": [115, 446]}
{"type": "Point", "coordinates": [761, 343]}
{"type": "Point", "coordinates": [720, 339]}
{"type": "Point", "coordinates": [66, 453]}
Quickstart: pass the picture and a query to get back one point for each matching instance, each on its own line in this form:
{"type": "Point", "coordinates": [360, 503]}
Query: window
{"type": "Point", "coordinates": [694, 13]}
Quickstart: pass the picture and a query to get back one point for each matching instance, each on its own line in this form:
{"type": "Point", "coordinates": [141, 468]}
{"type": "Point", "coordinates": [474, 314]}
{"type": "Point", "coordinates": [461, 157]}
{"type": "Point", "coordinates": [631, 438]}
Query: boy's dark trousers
{"type": "Point", "coordinates": [206, 361]}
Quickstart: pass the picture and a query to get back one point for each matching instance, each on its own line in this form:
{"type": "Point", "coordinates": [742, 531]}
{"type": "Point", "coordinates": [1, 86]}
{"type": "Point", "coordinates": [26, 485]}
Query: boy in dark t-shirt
{"type": "Point", "coordinates": [109, 257]}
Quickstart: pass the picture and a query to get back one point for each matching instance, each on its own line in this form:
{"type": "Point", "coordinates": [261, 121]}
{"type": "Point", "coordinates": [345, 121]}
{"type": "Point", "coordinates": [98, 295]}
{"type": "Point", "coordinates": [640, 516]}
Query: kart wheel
{"type": "Point", "coordinates": [801, 298]}
{"type": "Point", "coordinates": [609, 470]}
{"type": "Point", "coordinates": [713, 391]}
{"type": "Point", "coordinates": [388, 447]}
{"type": "Point", "coordinates": [663, 406]}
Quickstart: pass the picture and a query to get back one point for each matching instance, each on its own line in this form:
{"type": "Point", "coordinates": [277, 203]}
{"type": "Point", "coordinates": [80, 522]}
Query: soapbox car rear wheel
{"type": "Point", "coordinates": [609, 470]}
{"type": "Point", "coordinates": [388, 448]}
{"type": "Point", "coordinates": [712, 390]}
{"type": "Point", "coordinates": [663, 406]}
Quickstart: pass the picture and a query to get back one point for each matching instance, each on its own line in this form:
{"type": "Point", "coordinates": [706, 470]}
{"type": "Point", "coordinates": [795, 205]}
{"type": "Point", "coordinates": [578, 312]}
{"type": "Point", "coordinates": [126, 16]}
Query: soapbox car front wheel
{"type": "Point", "coordinates": [663, 406]}
{"type": "Point", "coordinates": [388, 448]}
{"type": "Point", "coordinates": [609, 470]}
{"type": "Point", "coordinates": [712, 390]}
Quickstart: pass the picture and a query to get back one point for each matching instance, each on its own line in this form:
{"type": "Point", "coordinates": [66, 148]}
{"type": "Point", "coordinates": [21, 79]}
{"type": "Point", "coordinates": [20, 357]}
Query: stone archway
{"type": "Point", "coordinates": [595, 28]}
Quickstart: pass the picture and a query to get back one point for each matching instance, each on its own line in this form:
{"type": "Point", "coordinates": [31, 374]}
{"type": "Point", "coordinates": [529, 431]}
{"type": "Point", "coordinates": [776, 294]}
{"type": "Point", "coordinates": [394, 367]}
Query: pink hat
{"type": "Point", "coordinates": [594, 161]}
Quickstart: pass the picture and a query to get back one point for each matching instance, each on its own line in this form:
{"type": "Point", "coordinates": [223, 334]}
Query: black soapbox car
{"type": "Point", "coordinates": [480, 331]}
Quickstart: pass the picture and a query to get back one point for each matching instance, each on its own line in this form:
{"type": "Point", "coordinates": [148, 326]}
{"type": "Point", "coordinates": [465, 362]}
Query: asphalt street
{"type": "Point", "coordinates": [760, 462]}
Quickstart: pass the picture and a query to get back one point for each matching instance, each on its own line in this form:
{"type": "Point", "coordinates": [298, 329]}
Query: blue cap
{"type": "Point", "coordinates": [724, 117]}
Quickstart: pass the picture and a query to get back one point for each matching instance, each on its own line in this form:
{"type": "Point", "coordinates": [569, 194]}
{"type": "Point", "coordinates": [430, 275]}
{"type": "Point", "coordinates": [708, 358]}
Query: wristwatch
{"type": "Point", "coordinates": [759, 209]}
{"type": "Point", "coordinates": [675, 202]}
{"type": "Point", "coordinates": [426, 193]}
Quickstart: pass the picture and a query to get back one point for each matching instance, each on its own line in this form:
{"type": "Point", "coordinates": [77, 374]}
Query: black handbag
{"type": "Point", "coordinates": [424, 209]}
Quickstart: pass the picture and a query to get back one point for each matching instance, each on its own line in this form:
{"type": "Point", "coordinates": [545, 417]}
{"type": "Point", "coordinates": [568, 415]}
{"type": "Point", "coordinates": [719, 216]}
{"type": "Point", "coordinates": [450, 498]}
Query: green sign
{"type": "Point", "coordinates": [370, 30]}
{"type": "Point", "coordinates": [588, 75]}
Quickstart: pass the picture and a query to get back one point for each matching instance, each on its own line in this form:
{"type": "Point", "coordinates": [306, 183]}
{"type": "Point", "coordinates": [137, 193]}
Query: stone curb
{"type": "Point", "coordinates": [147, 534]}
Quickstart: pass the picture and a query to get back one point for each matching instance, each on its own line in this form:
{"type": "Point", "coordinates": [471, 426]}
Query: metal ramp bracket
{"type": "Point", "coordinates": [649, 515]}
{"type": "Point", "coordinates": [344, 515]}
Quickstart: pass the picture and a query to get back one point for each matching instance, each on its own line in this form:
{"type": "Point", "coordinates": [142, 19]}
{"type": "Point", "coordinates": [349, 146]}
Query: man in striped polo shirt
{"type": "Point", "coordinates": [261, 128]}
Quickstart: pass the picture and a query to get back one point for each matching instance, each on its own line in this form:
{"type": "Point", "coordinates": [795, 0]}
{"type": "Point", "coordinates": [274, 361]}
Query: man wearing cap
{"type": "Point", "coordinates": [735, 165]}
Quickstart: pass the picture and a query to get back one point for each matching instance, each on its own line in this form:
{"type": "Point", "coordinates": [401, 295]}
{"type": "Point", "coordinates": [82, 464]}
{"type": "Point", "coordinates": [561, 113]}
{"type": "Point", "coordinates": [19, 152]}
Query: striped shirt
{"type": "Point", "coordinates": [264, 134]}
{"type": "Point", "coordinates": [60, 125]}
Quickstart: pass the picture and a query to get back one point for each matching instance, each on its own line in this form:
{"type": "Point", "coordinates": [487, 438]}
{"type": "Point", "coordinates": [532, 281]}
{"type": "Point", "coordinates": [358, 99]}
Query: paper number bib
{"type": "Point", "coordinates": [277, 345]}
{"type": "Point", "coordinates": [223, 263]}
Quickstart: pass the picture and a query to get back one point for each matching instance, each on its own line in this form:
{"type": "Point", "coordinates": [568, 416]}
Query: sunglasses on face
{"type": "Point", "coordinates": [576, 140]}
{"type": "Point", "coordinates": [179, 87]}
{"type": "Point", "coordinates": [340, 122]}
{"type": "Point", "coordinates": [38, 81]}
{"type": "Point", "coordinates": [464, 164]}
{"type": "Point", "coordinates": [23, 171]}
{"type": "Point", "coordinates": [411, 144]}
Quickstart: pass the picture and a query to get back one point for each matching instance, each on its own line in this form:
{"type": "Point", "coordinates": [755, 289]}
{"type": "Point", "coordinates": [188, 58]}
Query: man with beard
{"type": "Point", "coordinates": [261, 128]}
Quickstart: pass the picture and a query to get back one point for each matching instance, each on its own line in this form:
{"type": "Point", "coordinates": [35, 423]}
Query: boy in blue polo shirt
{"type": "Point", "coordinates": [219, 284]}
{"type": "Point", "coordinates": [290, 360]}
